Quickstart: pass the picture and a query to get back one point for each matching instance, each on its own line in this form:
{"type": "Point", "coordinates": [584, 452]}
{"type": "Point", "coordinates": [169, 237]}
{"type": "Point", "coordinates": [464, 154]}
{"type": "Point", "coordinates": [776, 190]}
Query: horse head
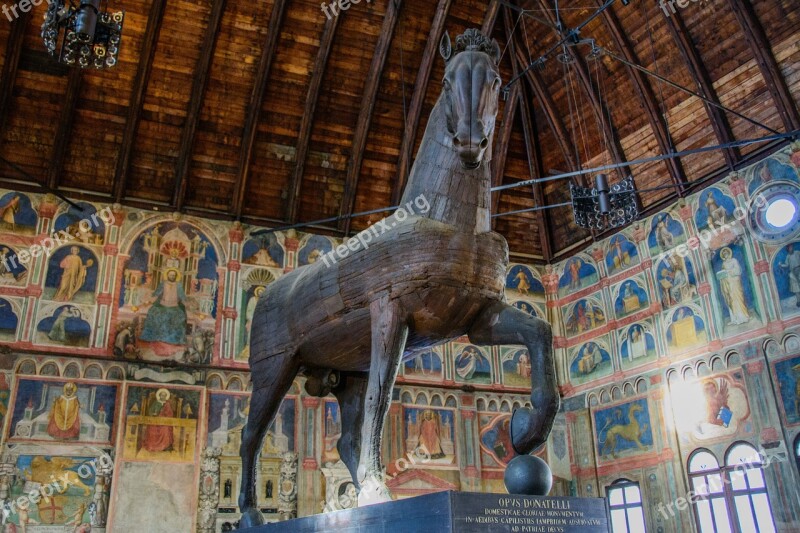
{"type": "Point", "coordinates": [470, 89]}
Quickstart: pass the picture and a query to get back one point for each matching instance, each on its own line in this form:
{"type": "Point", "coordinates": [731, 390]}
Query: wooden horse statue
{"type": "Point", "coordinates": [431, 275]}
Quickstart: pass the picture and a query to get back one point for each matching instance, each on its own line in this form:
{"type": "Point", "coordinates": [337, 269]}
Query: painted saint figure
{"type": "Point", "coordinates": [522, 282]}
{"type": "Point", "coordinates": [9, 212]}
{"type": "Point", "coordinates": [429, 435]}
{"type": "Point", "coordinates": [58, 331]}
{"type": "Point", "coordinates": [157, 438]}
{"type": "Point", "coordinates": [792, 265]}
{"type": "Point", "coordinates": [590, 359]}
{"type": "Point", "coordinates": [638, 344]}
{"type": "Point", "coordinates": [73, 275]}
{"type": "Point", "coordinates": [64, 422]}
{"type": "Point", "coordinates": [664, 236]}
{"type": "Point", "coordinates": [730, 280]}
{"type": "Point", "coordinates": [717, 216]}
{"type": "Point", "coordinates": [166, 318]}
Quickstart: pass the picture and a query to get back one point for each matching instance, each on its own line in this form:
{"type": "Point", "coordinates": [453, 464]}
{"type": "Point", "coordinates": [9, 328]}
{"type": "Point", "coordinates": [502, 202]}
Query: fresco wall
{"type": "Point", "coordinates": [124, 345]}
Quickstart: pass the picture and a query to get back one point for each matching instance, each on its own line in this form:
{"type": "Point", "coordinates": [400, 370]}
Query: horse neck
{"type": "Point", "coordinates": [457, 196]}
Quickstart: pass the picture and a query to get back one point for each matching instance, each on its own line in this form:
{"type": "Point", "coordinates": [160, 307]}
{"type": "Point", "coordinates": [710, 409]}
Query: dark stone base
{"type": "Point", "coordinates": [462, 512]}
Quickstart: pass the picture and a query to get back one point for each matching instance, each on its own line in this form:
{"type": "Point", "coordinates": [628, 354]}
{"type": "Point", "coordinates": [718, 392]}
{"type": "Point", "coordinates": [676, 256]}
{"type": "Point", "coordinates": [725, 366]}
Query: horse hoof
{"type": "Point", "coordinates": [372, 492]}
{"type": "Point", "coordinates": [523, 431]}
{"type": "Point", "coordinates": [251, 518]}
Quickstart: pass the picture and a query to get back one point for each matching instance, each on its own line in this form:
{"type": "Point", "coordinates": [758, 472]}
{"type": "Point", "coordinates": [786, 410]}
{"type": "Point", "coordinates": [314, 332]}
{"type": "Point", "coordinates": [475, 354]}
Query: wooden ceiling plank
{"type": "Point", "coordinates": [306, 124]}
{"type": "Point", "coordinates": [418, 98]}
{"type": "Point", "coordinates": [645, 92]}
{"type": "Point", "coordinates": [501, 142]}
{"type": "Point", "coordinates": [254, 105]}
{"type": "Point", "coordinates": [533, 157]}
{"type": "Point", "coordinates": [365, 113]}
{"type": "Point", "coordinates": [199, 85]}
{"type": "Point", "coordinates": [8, 78]}
{"type": "Point", "coordinates": [136, 103]}
{"type": "Point", "coordinates": [760, 47]}
{"type": "Point", "coordinates": [490, 18]}
{"type": "Point", "coordinates": [63, 133]}
{"type": "Point", "coordinates": [598, 106]}
{"type": "Point", "coordinates": [694, 63]}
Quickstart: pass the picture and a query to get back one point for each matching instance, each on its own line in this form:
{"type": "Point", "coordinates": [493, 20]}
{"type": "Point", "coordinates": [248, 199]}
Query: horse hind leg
{"type": "Point", "coordinates": [272, 378]}
{"type": "Point", "coordinates": [501, 323]}
{"type": "Point", "coordinates": [350, 395]}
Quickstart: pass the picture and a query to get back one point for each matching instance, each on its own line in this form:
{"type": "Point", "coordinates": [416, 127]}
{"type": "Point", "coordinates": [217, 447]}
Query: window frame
{"type": "Point", "coordinates": [622, 484]}
{"type": "Point", "coordinates": [729, 494]}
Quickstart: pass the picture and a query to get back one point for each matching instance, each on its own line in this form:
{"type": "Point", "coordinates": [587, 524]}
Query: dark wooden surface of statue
{"type": "Point", "coordinates": [430, 278]}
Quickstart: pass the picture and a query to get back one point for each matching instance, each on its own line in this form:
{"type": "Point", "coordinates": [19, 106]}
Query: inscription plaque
{"type": "Point", "coordinates": [462, 512]}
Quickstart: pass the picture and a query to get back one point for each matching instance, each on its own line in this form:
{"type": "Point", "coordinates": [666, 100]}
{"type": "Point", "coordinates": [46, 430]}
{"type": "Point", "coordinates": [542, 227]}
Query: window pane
{"type": "Point", "coordinates": [704, 517]}
{"type": "Point", "coordinates": [721, 515]}
{"type": "Point", "coordinates": [702, 461]}
{"type": "Point", "coordinates": [715, 484]}
{"type": "Point", "coordinates": [636, 520]}
{"type": "Point", "coordinates": [744, 514]}
{"type": "Point", "coordinates": [618, 522]}
{"type": "Point", "coordinates": [737, 480]}
{"type": "Point", "coordinates": [632, 494]}
{"type": "Point", "coordinates": [743, 454]}
{"type": "Point", "coordinates": [699, 485]}
{"type": "Point", "coordinates": [763, 514]}
{"type": "Point", "coordinates": [615, 496]}
{"type": "Point", "coordinates": [755, 476]}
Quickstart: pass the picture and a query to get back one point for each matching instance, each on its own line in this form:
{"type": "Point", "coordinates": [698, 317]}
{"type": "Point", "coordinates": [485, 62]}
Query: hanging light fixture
{"type": "Point", "coordinates": [604, 207]}
{"type": "Point", "coordinates": [82, 35]}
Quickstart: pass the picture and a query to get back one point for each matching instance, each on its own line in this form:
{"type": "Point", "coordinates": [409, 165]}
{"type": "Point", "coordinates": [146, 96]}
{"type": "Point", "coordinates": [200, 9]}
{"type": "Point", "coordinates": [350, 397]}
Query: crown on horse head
{"type": "Point", "coordinates": [473, 40]}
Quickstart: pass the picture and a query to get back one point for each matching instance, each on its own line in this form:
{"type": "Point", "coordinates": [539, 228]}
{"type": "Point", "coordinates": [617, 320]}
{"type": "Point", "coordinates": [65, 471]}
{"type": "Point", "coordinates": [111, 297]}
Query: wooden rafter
{"type": "Point", "coordinates": [14, 45]}
{"type": "Point", "coordinates": [136, 102]}
{"type": "Point", "coordinates": [691, 57]}
{"type": "Point", "coordinates": [418, 98]}
{"type": "Point", "coordinates": [490, 18]}
{"type": "Point", "coordinates": [598, 106]}
{"type": "Point", "coordinates": [254, 105]}
{"type": "Point", "coordinates": [306, 124]}
{"type": "Point", "coordinates": [64, 127]}
{"type": "Point", "coordinates": [501, 141]}
{"type": "Point", "coordinates": [760, 47]}
{"type": "Point", "coordinates": [365, 114]}
{"type": "Point", "coordinates": [551, 112]}
{"type": "Point", "coordinates": [199, 84]}
{"type": "Point", "coordinates": [533, 156]}
{"type": "Point", "coordinates": [645, 92]}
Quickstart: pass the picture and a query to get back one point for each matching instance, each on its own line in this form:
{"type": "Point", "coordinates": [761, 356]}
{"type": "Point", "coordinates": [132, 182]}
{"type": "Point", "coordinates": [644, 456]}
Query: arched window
{"type": "Point", "coordinates": [625, 507]}
{"type": "Point", "coordinates": [733, 498]}
{"type": "Point", "coordinates": [706, 479]}
{"type": "Point", "coordinates": [748, 489]}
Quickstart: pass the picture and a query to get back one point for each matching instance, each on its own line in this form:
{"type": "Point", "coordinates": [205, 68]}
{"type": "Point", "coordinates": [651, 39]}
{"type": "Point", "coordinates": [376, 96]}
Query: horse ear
{"type": "Point", "coordinates": [445, 47]}
{"type": "Point", "coordinates": [495, 53]}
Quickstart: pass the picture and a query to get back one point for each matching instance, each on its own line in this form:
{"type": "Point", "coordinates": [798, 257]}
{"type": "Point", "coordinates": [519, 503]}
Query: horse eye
{"type": "Point", "coordinates": [496, 84]}
{"type": "Point", "coordinates": [446, 84]}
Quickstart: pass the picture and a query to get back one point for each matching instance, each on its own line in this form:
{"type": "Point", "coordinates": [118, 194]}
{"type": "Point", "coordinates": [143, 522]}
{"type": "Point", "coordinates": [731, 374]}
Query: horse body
{"type": "Point", "coordinates": [429, 278]}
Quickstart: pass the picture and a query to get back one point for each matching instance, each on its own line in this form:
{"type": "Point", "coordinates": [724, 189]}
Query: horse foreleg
{"type": "Point", "coordinates": [272, 378]}
{"type": "Point", "coordinates": [389, 333]}
{"type": "Point", "coordinates": [350, 395]}
{"type": "Point", "coordinates": [501, 323]}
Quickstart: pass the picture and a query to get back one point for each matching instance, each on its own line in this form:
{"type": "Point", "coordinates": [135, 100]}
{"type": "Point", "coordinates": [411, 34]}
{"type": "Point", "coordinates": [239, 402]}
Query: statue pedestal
{"type": "Point", "coordinates": [462, 512]}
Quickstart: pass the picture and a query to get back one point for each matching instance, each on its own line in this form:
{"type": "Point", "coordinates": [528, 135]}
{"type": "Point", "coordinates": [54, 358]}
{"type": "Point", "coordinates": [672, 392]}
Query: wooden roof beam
{"type": "Point", "coordinates": [365, 113]}
{"type": "Point", "coordinates": [8, 78]}
{"type": "Point", "coordinates": [136, 102]}
{"type": "Point", "coordinates": [254, 105]}
{"type": "Point", "coordinates": [760, 47]}
{"type": "Point", "coordinates": [598, 106]}
{"type": "Point", "coordinates": [418, 99]}
{"type": "Point", "coordinates": [306, 124]}
{"type": "Point", "coordinates": [199, 85]}
{"type": "Point", "coordinates": [529, 132]}
{"type": "Point", "coordinates": [64, 127]}
{"type": "Point", "coordinates": [691, 56]}
{"type": "Point", "coordinates": [645, 92]}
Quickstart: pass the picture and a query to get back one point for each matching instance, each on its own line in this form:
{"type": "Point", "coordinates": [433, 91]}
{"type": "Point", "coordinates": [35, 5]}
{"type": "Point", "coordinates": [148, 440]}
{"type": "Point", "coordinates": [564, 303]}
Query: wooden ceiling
{"type": "Point", "coordinates": [269, 112]}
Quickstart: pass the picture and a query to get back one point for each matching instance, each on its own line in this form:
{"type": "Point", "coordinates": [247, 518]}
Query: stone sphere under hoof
{"type": "Point", "coordinates": [528, 475]}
